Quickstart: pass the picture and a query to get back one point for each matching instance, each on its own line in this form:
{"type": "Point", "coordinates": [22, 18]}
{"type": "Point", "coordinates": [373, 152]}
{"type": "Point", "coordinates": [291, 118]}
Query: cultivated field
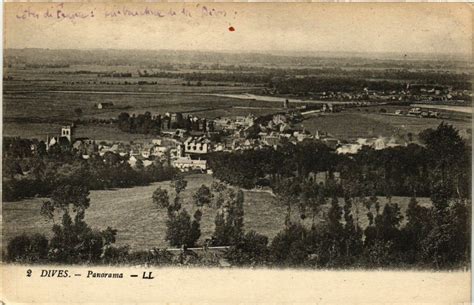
{"type": "Point", "coordinates": [36, 102]}
{"type": "Point", "coordinates": [369, 122]}
{"type": "Point", "coordinates": [142, 225]}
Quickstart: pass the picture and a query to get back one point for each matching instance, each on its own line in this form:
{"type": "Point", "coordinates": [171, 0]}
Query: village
{"type": "Point", "coordinates": [186, 146]}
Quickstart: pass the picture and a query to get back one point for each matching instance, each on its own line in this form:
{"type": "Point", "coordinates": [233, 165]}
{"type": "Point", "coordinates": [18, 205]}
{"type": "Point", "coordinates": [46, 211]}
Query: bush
{"type": "Point", "coordinates": [27, 248]}
{"type": "Point", "coordinates": [251, 250]}
{"type": "Point", "coordinates": [154, 257]}
{"type": "Point", "coordinates": [289, 247]}
{"type": "Point", "coordinates": [116, 255]}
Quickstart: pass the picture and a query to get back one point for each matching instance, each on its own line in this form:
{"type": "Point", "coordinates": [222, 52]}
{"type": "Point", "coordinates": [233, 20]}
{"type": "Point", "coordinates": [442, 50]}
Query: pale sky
{"type": "Point", "coordinates": [395, 27]}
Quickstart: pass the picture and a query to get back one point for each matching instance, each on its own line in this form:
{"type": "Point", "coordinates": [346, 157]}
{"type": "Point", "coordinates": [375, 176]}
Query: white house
{"type": "Point", "coordinates": [104, 105]}
{"type": "Point", "coordinates": [186, 164]}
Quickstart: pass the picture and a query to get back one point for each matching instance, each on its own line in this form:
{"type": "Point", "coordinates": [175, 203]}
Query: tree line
{"type": "Point", "coordinates": [410, 170]}
{"type": "Point", "coordinates": [147, 124]}
{"type": "Point", "coordinates": [331, 79]}
{"type": "Point", "coordinates": [435, 236]}
{"type": "Point", "coordinates": [28, 173]}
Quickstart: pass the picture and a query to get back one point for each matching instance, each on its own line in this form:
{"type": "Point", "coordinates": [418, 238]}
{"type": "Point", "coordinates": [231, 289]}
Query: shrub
{"type": "Point", "coordinates": [27, 248]}
{"type": "Point", "coordinates": [288, 247]}
{"type": "Point", "coordinates": [154, 257]}
{"type": "Point", "coordinates": [251, 250]}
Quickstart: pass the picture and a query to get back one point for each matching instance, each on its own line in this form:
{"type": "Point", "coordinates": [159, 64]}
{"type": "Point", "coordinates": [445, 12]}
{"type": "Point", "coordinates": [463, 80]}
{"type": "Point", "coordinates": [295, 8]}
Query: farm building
{"type": "Point", "coordinates": [104, 105]}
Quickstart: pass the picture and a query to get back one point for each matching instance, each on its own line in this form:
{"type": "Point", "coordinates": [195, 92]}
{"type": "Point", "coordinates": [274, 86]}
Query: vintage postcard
{"type": "Point", "coordinates": [236, 153]}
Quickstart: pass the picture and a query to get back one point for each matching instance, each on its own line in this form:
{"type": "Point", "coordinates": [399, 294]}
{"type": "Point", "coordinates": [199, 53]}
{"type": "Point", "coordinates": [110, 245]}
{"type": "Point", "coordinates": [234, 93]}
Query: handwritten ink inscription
{"type": "Point", "coordinates": [57, 12]}
{"type": "Point", "coordinates": [61, 12]}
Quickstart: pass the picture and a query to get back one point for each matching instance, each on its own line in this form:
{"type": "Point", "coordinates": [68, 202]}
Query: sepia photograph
{"type": "Point", "coordinates": [237, 136]}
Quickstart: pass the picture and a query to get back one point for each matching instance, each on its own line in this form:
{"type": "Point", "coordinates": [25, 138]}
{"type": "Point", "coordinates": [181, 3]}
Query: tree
{"type": "Point", "coordinates": [334, 238]}
{"type": "Point", "coordinates": [179, 183]}
{"type": "Point", "coordinates": [418, 225]}
{"type": "Point", "coordinates": [160, 197]}
{"type": "Point", "coordinates": [37, 167]}
{"type": "Point", "coordinates": [181, 231]}
{"type": "Point", "coordinates": [334, 216]}
{"type": "Point", "coordinates": [449, 154]}
{"type": "Point", "coordinates": [67, 198]}
{"type": "Point", "coordinates": [444, 141]}
{"type": "Point", "coordinates": [202, 196]}
{"type": "Point", "coordinates": [289, 247]}
{"type": "Point", "coordinates": [447, 243]}
{"type": "Point", "coordinates": [78, 111]}
{"type": "Point", "coordinates": [229, 221]}
{"type": "Point", "coordinates": [218, 188]}
{"type": "Point", "coordinates": [111, 159]}
{"type": "Point", "coordinates": [383, 236]}
{"type": "Point", "coordinates": [124, 122]}
{"type": "Point", "coordinates": [352, 235]}
{"type": "Point", "coordinates": [320, 201]}
{"type": "Point", "coordinates": [251, 250]}
{"type": "Point", "coordinates": [139, 165]}
{"type": "Point", "coordinates": [74, 241]}
{"type": "Point", "coordinates": [308, 198]}
{"type": "Point", "coordinates": [287, 192]}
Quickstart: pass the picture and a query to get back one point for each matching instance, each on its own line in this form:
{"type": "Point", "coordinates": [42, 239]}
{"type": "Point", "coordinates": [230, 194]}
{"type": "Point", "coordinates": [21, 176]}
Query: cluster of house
{"type": "Point", "coordinates": [446, 94]}
{"type": "Point", "coordinates": [412, 93]}
{"type": "Point", "coordinates": [375, 143]}
{"type": "Point", "coordinates": [418, 111]}
{"type": "Point", "coordinates": [187, 150]}
{"type": "Point", "coordinates": [246, 132]}
{"type": "Point", "coordinates": [180, 154]}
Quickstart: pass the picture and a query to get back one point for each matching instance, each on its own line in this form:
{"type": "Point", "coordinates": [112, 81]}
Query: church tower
{"type": "Point", "coordinates": [66, 131]}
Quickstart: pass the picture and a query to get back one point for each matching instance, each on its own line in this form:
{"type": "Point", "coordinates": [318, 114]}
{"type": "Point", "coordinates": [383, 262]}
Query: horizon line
{"type": "Point", "coordinates": [266, 52]}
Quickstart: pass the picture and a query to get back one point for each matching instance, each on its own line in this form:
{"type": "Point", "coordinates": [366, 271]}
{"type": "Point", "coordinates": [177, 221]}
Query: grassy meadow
{"type": "Point", "coordinates": [352, 124]}
{"type": "Point", "coordinates": [142, 225]}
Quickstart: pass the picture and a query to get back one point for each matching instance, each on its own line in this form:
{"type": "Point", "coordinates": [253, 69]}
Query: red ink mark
{"type": "Point", "coordinates": [231, 29]}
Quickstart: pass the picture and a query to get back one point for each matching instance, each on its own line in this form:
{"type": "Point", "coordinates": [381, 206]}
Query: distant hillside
{"type": "Point", "coordinates": [278, 58]}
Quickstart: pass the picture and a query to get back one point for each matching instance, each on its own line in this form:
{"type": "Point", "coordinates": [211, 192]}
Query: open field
{"type": "Point", "coordinates": [446, 107]}
{"type": "Point", "coordinates": [40, 93]}
{"type": "Point", "coordinates": [61, 105]}
{"type": "Point", "coordinates": [367, 122]}
{"type": "Point", "coordinates": [142, 225]}
{"type": "Point", "coordinates": [36, 102]}
{"type": "Point", "coordinates": [347, 125]}
{"type": "Point", "coordinates": [415, 125]}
